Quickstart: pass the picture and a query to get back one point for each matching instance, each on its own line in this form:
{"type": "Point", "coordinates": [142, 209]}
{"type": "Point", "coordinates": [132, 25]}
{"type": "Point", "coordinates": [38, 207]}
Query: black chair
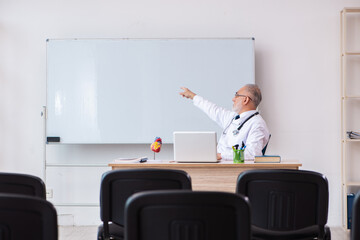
{"type": "Point", "coordinates": [355, 224]}
{"type": "Point", "coordinates": [118, 185]}
{"type": "Point", "coordinates": [25, 184]}
{"type": "Point", "coordinates": [286, 204]}
{"type": "Point", "coordinates": [25, 217]}
{"type": "Point", "coordinates": [187, 215]}
{"type": "Point", "coordinates": [263, 151]}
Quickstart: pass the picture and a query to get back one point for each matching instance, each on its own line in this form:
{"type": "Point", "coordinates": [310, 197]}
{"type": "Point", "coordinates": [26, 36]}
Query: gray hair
{"type": "Point", "coordinates": [254, 92]}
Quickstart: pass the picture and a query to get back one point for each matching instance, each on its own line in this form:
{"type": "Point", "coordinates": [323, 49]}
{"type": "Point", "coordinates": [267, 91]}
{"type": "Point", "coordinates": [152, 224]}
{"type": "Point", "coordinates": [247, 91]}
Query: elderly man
{"type": "Point", "coordinates": [242, 124]}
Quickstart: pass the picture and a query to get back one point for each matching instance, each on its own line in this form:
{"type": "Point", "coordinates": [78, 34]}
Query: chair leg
{"type": "Point", "coordinates": [106, 234]}
{"type": "Point", "coordinates": [101, 236]}
{"type": "Point", "coordinates": [327, 235]}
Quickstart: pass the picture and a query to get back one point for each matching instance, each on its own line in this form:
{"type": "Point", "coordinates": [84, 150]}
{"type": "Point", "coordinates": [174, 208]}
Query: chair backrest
{"type": "Point", "coordinates": [285, 199]}
{"type": "Point", "coordinates": [118, 185]}
{"type": "Point", "coordinates": [25, 217]}
{"type": "Point", "coordinates": [263, 151]}
{"type": "Point", "coordinates": [355, 224]}
{"type": "Point", "coordinates": [25, 184]}
{"type": "Point", "coordinates": [174, 214]}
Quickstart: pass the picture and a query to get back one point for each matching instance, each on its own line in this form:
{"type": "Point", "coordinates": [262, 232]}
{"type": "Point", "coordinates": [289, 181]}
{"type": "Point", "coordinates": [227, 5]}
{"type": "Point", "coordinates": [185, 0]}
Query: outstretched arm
{"type": "Point", "coordinates": [218, 114]}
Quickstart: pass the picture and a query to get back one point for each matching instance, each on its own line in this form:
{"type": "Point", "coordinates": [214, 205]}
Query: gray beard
{"type": "Point", "coordinates": [235, 109]}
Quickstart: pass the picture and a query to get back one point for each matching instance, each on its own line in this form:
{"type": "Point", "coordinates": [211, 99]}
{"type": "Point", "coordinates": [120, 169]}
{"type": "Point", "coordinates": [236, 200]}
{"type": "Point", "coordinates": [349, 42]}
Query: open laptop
{"type": "Point", "coordinates": [195, 147]}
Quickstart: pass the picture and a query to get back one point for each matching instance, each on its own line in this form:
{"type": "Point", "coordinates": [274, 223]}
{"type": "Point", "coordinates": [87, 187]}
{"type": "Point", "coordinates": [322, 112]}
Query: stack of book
{"type": "Point", "coordinates": [353, 135]}
{"type": "Point", "coordinates": [267, 159]}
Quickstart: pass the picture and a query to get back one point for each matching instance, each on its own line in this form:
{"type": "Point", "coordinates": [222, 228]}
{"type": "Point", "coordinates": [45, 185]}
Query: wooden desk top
{"type": "Point", "coordinates": [221, 164]}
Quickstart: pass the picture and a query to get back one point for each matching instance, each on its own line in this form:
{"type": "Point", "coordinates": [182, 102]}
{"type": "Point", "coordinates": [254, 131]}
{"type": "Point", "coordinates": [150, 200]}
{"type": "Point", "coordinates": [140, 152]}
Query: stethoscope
{"type": "Point", "coordinates": [236, 131]}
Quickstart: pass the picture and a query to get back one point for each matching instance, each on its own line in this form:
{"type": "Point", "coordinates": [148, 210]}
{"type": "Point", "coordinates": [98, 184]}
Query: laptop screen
{"type": "Point", "coordinates": [195, 146]}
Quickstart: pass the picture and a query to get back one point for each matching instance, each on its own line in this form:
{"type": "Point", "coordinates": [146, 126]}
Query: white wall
{"type": "Point", "coordinates": [297, 67]}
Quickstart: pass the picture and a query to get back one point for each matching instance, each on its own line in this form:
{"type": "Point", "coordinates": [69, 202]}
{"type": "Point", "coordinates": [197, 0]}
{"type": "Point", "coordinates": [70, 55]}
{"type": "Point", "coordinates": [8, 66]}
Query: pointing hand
{"type": "Point", "coordinates": [187, 93]}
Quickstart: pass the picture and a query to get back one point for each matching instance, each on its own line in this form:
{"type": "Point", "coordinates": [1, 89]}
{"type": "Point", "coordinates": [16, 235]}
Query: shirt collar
{"type": "Point", "coordinates": [247, 114]}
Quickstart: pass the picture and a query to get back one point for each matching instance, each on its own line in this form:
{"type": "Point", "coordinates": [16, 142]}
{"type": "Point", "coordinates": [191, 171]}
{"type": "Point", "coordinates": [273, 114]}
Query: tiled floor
{"type": "Point", "coordinates": [78, 233]}
{"type": "Point", "coordinates": [339, 233]}
{"type": "Point", "coordinates": [90, 233]}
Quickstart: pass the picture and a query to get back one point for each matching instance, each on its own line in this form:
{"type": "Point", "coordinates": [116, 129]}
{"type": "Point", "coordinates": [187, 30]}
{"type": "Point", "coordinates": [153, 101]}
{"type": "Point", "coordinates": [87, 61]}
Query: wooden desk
{"type": "Point", "coordinates": [220, 176]}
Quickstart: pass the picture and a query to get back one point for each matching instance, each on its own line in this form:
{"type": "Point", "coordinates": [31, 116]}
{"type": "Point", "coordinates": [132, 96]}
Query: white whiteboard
{"type": "Point", "coordinates": [127, 90]}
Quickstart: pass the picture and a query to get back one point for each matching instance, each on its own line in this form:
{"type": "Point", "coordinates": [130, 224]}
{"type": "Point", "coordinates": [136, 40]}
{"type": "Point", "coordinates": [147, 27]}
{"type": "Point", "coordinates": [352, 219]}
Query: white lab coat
{"type": "Point", "coordinates": [254, 133]}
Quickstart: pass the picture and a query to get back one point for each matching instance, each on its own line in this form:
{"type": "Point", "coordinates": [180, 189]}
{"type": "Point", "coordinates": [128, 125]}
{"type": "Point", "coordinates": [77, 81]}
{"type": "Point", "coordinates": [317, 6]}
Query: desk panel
{"type": "Point", "coordinates": [220, 176]}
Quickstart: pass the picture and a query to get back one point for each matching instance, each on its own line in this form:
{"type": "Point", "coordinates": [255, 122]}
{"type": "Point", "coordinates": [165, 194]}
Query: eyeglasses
{"type": "Point", "coordinates": [240, 95]}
